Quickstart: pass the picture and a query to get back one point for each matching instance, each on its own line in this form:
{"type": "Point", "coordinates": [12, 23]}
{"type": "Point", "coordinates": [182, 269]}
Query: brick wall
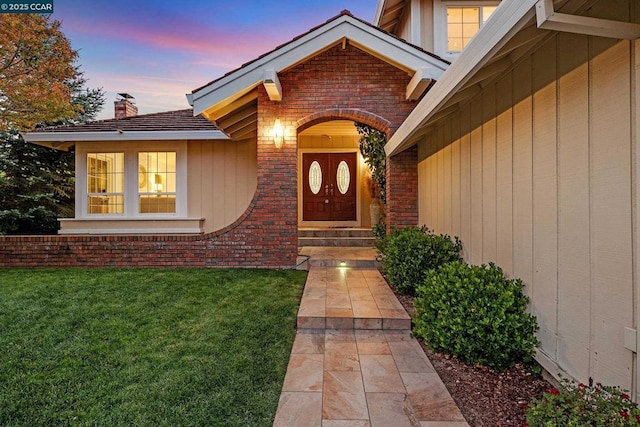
{"type": "Point", "coordinates": [402, 189]}
{"type": "Point", "coordinates": [337, 84]}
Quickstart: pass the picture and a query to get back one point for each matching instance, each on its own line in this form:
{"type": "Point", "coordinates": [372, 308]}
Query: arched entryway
{"type": "Point", "coordinates": [333, 180]}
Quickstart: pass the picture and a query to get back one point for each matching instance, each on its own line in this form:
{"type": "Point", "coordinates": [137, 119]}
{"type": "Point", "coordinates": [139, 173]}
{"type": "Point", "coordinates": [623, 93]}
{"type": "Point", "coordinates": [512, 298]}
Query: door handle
{"type": "Point", "coordinates": [331, 190]}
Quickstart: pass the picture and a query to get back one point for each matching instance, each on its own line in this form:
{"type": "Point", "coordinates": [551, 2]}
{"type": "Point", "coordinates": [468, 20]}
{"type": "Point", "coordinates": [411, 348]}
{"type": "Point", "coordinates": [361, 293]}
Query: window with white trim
{"type": "Point", "coordinates": [131, 180]}
{"type": "Point", "coordinates": [157, 182]}
{"type": "Point", "coordinates": [456, 22]}
{"type": "Point", "coordinates": [105, 183]}
{"type": "Point", "coordinates": [463, 22]}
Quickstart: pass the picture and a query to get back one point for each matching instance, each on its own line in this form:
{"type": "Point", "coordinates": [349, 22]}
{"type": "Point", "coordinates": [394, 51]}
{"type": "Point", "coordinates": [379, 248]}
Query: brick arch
{"type": "Point", "coordinates": [355, 114]}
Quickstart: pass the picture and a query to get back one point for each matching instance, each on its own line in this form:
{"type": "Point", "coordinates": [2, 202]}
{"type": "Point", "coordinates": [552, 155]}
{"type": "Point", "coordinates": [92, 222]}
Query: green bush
{"type": "Point", "coordinates": [476, 314]}
{"type": "Point", "coordinates": [406, 254]}
{"type": "Point", "coordinates": [379, 230]}
{"type": "Point", "coordinates": [582, 405]}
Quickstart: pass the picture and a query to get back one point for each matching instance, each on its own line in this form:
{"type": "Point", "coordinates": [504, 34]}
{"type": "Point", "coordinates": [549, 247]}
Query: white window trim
{"type": "Point", "coordinates": [440, 23]}
{"type": "Point", "coordinates": [131, 199]}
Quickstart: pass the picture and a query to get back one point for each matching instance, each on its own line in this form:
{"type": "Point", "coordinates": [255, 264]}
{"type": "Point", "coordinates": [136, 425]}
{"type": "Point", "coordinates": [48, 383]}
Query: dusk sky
{"type": "Point", "coordinates": [159, 50]}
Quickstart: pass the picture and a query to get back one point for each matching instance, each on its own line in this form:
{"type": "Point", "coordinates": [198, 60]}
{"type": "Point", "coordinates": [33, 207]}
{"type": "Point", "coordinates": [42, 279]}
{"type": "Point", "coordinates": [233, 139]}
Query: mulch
{"type": "Point", "coordinates": [486, 397]}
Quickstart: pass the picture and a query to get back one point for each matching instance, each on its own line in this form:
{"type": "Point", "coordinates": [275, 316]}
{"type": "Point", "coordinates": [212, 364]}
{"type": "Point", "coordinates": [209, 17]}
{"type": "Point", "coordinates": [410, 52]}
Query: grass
{"type": "Point", "coordinates": [141, 347]}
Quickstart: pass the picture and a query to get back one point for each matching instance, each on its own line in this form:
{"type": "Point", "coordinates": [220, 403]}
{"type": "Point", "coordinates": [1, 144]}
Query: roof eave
{"type": "Point", "coordinates": [244, 79]}
{"type": "Point", "coordinates": [508, 19]}
{"type": "Point", "coordinates": [379, 11]}
{"type": "Point", "coordinates": [59, 140]}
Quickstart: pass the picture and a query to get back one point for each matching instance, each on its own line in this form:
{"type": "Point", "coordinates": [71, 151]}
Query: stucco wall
{"type": "Point", "coordinates": [536, 175]}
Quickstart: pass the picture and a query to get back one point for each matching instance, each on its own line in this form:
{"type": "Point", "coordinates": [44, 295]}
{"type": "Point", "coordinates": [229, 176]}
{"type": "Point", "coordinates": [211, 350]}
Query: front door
{"type": "Point", "coordinates": [329, 181]}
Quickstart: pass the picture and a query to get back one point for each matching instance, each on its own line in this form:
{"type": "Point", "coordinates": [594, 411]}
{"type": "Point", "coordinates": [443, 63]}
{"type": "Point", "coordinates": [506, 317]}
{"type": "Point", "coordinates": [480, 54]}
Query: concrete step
{"type": "Point", "coordinates": [362, 242]}
{"type": "Point", "coordinates": [335, 232]}
{"type": "Point", "coordinates": [335, 256]}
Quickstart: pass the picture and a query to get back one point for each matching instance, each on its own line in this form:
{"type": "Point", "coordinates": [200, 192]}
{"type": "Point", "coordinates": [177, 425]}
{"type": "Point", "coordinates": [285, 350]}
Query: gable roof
{"type": "Point", "coordinates": [169, 125]}
{"type": "Point", "coordinates": [214, 99]}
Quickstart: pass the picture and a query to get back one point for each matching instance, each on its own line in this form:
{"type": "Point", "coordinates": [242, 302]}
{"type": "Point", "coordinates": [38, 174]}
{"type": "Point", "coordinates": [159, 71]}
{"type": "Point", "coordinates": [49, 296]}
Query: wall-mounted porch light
{"type": "Point", "coordinates": [278, 134]}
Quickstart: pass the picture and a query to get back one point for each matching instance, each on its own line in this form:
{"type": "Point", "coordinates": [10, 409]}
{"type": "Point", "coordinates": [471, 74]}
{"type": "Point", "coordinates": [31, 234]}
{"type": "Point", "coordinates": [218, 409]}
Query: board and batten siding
{"type": "Point", "coordinates": [222, 177]}
{"type": "Point", "coordinates": [536, 175]}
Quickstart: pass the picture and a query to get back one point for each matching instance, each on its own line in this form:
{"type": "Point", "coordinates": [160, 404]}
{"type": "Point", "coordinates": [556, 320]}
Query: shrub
{"type": "Point", "coordinates": [582, 405]}
{"type": "Point", "coordinates": [476, 314]}
{"type": "Point", "coordinates": [379, 230]}
{"type": "Point", "coordinates": [406, 254]}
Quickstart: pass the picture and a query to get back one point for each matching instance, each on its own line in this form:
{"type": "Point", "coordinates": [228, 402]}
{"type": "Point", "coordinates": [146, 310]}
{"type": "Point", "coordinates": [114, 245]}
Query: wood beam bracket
{"type": "Point", "coordinates": [420, 81]}
{"type": "Point", "coordinates": [549, 19]}
{"type": "Point", "coordinates": [271, 83]}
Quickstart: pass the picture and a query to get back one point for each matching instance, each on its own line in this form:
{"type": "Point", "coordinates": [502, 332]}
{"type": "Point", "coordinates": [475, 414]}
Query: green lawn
{"type": "Point", "coordinates": [107, 347]}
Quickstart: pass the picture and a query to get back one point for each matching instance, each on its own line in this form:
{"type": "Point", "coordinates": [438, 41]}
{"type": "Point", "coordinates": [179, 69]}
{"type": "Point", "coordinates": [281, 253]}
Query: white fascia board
{"type": "Point", "coordinates": [506, 21]}
{"type": "Point", "coordinates": [36, 137]}
{"type": "Point", "coordinates": [379, 9]}
{"type": "Point", "coordinates": [549, 19]}
{"type": "Point", "coordinates": [248, 77]}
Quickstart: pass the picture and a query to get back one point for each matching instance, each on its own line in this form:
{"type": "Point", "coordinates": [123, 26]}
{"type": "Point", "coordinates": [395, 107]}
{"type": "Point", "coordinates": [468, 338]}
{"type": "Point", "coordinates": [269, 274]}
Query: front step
{"type": "Point", "coordinates": [328, 256]}
{"type": "Point", "coordinates": [336, 237]}
{"type": "Point", "coordinates": [350, 299]}
{"type": "Point", "coordinates": [360, 242]}
{"type": "Point", "coordinates": [335, 232]}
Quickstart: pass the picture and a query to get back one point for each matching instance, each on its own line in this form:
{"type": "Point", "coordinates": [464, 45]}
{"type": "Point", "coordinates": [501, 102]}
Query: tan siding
{"type": "Point", "coordinates": [440, 203]}
{"type": "Point", "coordinates": [427, 25]}
{"type": "Point", "coordinates": [573, 202]}
{"type": "Point", "coordinates": [545, 208]}
{"type": "Point", "coordinates": [523, 175]}
{"type": "Point", "coordinates": [504, 176]}
{"type": "Point", "coordinates": [222, 181]}
{"type": "Point", "coordinates": [447, 166]}
{"type": "Point", "coordinates": [476, 184]}
{"type": "Point", "coordinates": [489, 176]}
{"type": "Point", "coordinates": [194, 178]}
{"type": "Point", "coordinates": [465, 181]}
{"type": "Point", "coordinates": [611, 249]}
{"type": "Point", "coordinates": [455, 187]}
{"type": "Point", "coordinates": [536, 175]}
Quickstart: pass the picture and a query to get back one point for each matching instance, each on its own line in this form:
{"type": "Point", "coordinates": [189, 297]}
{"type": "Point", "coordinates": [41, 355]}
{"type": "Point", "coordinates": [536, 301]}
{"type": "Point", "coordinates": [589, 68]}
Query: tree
{"type": "Point", "coordinates": [39, 85]}
{"type": "Point", "coordinates": [36, 72]}
{"type": "Point", "coordinates": [37, 184]}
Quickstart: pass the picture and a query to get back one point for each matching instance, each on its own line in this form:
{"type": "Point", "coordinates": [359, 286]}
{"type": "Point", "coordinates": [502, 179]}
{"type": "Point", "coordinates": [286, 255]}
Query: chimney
{"type": "Point", "coordinates": [125, 106]}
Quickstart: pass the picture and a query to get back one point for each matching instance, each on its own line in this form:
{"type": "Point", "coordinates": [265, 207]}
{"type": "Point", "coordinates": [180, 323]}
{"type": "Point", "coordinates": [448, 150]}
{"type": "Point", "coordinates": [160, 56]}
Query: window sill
{"type": "Point", "coordinates": [121, 225]}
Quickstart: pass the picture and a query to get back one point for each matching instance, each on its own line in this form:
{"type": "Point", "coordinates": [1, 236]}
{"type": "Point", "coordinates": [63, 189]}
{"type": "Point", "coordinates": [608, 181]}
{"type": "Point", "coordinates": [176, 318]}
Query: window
{"type": "Point", "coordinates": [156, 182]}
{"type": "Point", "coordinates": [463, 23]}
{"type": "Point", "coordinates": [131, 180]}
{"type": "Point", "coordinates": [105, 183]}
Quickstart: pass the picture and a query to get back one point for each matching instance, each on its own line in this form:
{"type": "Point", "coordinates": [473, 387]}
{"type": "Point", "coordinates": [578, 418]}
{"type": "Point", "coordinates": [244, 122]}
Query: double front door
{"type": "Point", "coordinates": [329, 181]}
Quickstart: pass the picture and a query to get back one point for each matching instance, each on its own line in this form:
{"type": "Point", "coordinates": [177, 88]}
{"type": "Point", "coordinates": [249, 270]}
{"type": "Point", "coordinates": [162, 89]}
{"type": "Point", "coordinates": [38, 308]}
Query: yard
{"type": "Point", "coordinates": [144, 346]}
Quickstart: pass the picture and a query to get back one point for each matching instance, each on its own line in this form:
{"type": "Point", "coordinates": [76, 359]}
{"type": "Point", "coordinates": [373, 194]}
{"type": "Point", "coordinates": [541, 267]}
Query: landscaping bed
{"type": "Point", "coordinates": [486, 397]}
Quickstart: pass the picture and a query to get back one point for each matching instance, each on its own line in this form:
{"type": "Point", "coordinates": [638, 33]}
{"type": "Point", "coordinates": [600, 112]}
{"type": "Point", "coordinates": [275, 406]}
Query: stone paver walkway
{"type": "Point", "coordinates": [354, 362]}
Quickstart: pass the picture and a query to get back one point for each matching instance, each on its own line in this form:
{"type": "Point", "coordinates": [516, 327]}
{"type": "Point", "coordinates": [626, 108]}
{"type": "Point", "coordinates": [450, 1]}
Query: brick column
{"type": "Point", "coordinates": [402, 189]}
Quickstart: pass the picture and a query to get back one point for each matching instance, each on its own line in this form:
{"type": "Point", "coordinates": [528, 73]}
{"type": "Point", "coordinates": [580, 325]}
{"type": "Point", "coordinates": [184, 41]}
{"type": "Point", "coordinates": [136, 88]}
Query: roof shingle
{"type": "Point", "coordinates": [166, 121]}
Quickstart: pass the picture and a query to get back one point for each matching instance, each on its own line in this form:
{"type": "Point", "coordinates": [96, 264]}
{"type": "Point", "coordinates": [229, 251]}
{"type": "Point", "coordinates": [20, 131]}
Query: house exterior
{"type": "Point", "coordinates": [527, 149]}
{"type": "Point", "coordinates": [267, 148]}
{"type": "Point", "coordinates": [525, 146]}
